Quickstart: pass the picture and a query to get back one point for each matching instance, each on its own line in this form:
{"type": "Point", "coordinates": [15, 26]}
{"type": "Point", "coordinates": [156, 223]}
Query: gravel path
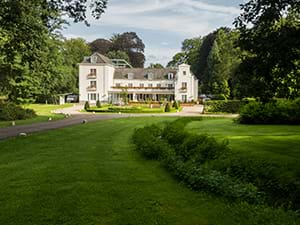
{"type": "Point", "coordinates": [78, 118]}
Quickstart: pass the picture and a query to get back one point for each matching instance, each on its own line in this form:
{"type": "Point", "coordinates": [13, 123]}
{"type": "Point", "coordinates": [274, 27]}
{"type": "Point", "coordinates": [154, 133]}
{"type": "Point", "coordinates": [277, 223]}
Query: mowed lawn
{"type": "Point", "coordinates": [43, 111]}
{"type": "Point", "coordinates": [279, 143]}
{"type": "Point", "coordinates": [90, 174]}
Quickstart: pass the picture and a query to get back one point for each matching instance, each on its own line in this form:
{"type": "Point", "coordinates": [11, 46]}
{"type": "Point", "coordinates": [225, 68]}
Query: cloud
{"type": "Point", "coordinates": [187, 17]}
{"type": "Point", "coordinates": [163, 23]}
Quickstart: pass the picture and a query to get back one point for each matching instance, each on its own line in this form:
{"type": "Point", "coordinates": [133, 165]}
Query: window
{"type": "Point", "coordinates": [94, 59]}
{"type": "Point", "coordinates": [184, 72]}
{"type": "Point", "coordinates": [130, 85]}
{"type": "Point", "coordinates": [130, 76]}
{"type": "Point", "coordinates": [150, 76]}
{"type": "Point", "coordinates": [141, 85]}
{"type": "Point", "coordinates": [184, 98]}
{"type": "Point", "coordinates": [93, 97]}
{"type": "Point", "coordinates": [170, 85]}
{"type": "Point", "coordinates": [118, 85]}
{"type": "Point", "coordinates": [150, 85]}
{"type": "Point", "coordinates": [93, 71]}
{"type": "Point", "coordinates": [170, 76]}
{"type": "Point", "coordinates": [158, 85]}
{"type": "Point", "coordinates": [183, 85]}
{"type": "Point", "coordinates": [93, 84]}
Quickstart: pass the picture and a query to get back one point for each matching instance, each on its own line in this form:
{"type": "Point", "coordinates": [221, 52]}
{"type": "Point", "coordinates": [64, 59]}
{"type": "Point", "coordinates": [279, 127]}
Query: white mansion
{"type": "Point", "coordinates": [107, 80]}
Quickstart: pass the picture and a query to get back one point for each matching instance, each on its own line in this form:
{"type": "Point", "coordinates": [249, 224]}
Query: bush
{"type": "Point", "coordinates": [86, 105]}
{"type": "Point", "coordinates": [10, 111]}
{"type": "Point", "coordinates": [167, 107]}
{"type": "Point", "coordinates": [275, 112]}
{"type": "Point", "coordinates": [282, 187]}
{"type": "Point", "coordinates": [228, 106]}
{"type": "Point", "coordinates": [175, 105]}
{"type": "Point", "coordinates": [98, 104]}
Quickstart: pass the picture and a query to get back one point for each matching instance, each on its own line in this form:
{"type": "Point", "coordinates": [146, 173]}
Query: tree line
{"type": "Point", "coordinates": [260, 57]}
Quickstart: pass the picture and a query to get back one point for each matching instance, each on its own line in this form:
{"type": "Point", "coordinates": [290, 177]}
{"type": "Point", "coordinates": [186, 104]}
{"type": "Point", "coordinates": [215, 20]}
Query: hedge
{"type": "Point", "coordinates": [275, 112]}
{"type": "Point", "coordinates": [225, 106]}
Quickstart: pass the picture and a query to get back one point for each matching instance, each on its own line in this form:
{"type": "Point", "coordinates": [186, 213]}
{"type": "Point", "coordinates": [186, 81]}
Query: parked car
{"type": "Point", "coordinates": [72, 98]}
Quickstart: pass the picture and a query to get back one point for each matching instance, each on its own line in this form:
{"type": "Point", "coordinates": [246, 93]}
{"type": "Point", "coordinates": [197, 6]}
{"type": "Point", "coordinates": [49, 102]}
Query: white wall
{"type": "Point", "coordinates": [191, 91]}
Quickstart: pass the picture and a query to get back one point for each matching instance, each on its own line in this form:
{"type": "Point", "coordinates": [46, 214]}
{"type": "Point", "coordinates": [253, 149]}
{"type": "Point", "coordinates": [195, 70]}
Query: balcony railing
{"type": "Point", "coordinates": [91, 88]}
{"type": "Point", "coordinates": [183, 90]}
{"type": "Point", "coordinates": [91, 76]}
{"type": "Point", "coordinates": [153, 88]}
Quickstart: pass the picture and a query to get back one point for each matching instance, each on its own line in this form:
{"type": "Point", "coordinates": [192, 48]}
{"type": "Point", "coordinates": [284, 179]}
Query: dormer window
{"type": "Point", "coordinates": [130, 76]}
{"type": "Point", "coordinates": [184, 72]}
{"type": "Point", "coordinates": [150, 76]}
{"type": "Point", "coordinates": [94, 59]}
{"type": "Point", "coordinates": [170, 76]}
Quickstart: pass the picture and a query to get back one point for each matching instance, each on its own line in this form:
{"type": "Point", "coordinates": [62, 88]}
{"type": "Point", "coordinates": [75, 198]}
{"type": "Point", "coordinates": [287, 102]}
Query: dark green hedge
{"type": "Point", "coordinates": [10, 111]}
{"type": "Point", "coordinates": [186, 155]}
{"type": "Point", "coordinates": [225, 106]}
{"type": "Point", "coordinates": [275, 112]}
{"type": "Point", "coordinates": [208, 165]}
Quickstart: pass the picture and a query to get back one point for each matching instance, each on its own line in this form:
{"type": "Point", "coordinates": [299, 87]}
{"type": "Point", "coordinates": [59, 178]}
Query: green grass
{"type": "Point", "coordinates": [141, 108]}
{"type": "Point", "coordinates": [43, 113]}
{"type": "Point", "coordinates": [279, 143]}
{"type": "Point", "coordinates": [90, 174]}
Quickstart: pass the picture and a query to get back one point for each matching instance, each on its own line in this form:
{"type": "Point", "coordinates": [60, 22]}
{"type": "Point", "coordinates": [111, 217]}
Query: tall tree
{"type": "Point", "coordinates": [74, 51]}
{"type": "Point", "coordinates": [189, 54]}
{"type": "Point", "coordinates": [270, 32]}
{"type": "Point", "coordinates": [101, 46]}
{"type": "Point", "coordinates": [26, 26]}
{"type": "Point", "coordinates": [130, 43]}
{"type": "Point", "coordinates": [222, 63]}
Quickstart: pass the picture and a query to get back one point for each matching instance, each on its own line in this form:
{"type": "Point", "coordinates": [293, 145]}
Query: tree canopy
{"type": "Point", "coordinates": [269, 32]}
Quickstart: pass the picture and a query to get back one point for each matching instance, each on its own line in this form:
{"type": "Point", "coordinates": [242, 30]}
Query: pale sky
{"type": "Point", "coordinates": [161, 24]}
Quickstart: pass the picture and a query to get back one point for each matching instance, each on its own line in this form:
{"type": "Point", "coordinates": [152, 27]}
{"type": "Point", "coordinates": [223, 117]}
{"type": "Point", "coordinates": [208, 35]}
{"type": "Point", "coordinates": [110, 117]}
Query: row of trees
{"type": "Point", "coordinates": [259, 58]}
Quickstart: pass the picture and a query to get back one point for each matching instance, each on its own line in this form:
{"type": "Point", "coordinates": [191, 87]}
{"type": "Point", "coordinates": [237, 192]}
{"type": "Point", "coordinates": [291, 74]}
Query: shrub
{"type": "Point", "coordinates": [282, 187]}
{"type": "Point", "coordinates": [86, 105]}
{"type": "Point", "coordinates": [10, 111]}
{"type": "Point", "coordinates": [228, 106]}
{"type": "Point", "coordinates": [167, 107]}
{"type": "Point", "coordinates": [98, 104]}
{"type": "Point", "coordinates": [275, 112]}
{"type": "Point", "coordinates": [175, 105]}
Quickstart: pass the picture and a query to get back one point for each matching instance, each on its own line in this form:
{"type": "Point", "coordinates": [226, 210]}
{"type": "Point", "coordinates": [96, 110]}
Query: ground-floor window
{"type": "Point", "coordinates": [92, 96]}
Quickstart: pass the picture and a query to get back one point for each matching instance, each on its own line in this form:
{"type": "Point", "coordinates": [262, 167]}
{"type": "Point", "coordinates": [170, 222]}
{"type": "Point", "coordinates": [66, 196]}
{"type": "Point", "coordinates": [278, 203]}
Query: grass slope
{"type": "Point", "coordinates": [89, 174]}
{"type": "Point", "coordinates": [43, 113]}
{"type": "Point", "coordinates": [279, 143]}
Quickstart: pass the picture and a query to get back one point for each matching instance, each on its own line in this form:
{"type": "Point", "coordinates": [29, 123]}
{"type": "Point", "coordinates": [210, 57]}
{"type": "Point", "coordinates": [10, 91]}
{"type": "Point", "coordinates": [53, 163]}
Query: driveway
{"type": "Point", "coordinates": [76, 117]}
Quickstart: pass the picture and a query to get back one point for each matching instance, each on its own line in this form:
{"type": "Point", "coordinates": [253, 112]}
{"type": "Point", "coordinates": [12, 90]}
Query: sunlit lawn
{"type": "Point", "coordinates": [43, 113]}
{"type": "Point", "coordinates": [280, 143]}
{"type": "Point", "coordinates": [90, 174]}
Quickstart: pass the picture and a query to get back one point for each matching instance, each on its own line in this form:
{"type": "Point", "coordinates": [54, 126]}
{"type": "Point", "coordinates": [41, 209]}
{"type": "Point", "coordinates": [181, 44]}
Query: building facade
{"type": "Point", "coordinates": [102, 79]}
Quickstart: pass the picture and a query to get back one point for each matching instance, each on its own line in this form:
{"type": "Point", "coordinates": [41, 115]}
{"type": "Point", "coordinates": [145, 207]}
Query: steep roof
{"type": "Point", "coordinates": [143, 73]}
{"type": "Point", "coordinates": [99, 58]}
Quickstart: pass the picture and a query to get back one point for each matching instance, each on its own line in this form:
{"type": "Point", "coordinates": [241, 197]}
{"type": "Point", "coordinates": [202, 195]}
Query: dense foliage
{"type": "Point", "coordinates": [269, 33]}
{"type": "Point", "coordinates": [275, 112]}
{"type": "Point", "coordinates": [127, 46]}
{"type": "Point", "coordinates": [35, 62]}
{"type": "Point", "coordinates": [226, 106]}
{"type": "Point", "coordinates": [10, 112]}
